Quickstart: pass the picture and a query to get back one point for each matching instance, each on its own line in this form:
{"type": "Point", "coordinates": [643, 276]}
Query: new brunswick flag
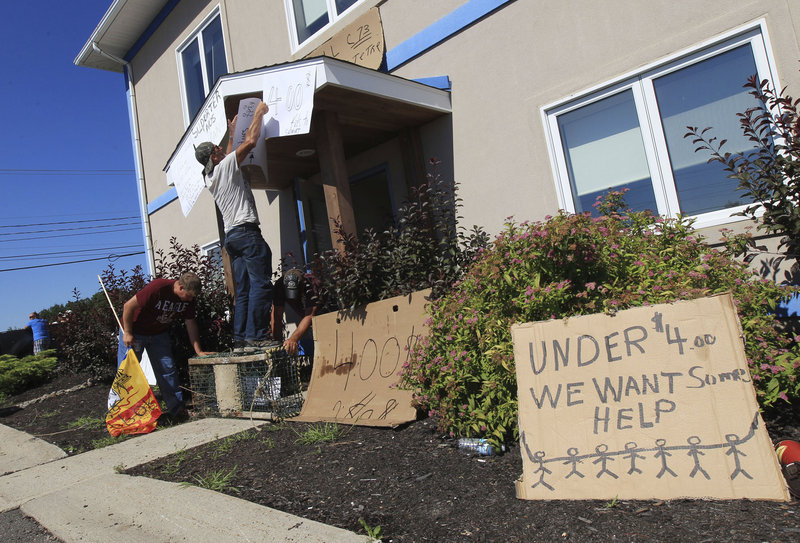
{"type": "Point", "coordinates": [132, 407]}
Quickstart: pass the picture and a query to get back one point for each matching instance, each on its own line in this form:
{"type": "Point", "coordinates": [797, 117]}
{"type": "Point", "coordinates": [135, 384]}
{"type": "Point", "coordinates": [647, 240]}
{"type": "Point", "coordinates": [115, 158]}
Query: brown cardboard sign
{"type": "Point", "coordinates": [357, 358]}
{"type": "Point", "coordinates": [654, 402]}
{"type": "Point", "coordinates": [360, 42]}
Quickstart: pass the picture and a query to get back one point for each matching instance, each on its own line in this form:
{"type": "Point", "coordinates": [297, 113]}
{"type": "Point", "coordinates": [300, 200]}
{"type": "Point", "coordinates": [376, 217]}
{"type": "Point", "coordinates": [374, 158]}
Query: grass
{"type": "Point", "coordinates": [109, 440]}
{"type": "Point", "coordinates": [217, 480]}
{"type": "Point", "coordinates": [320, 433]}
{"type": "Point", "coordinates": [175, 462]}
{"type": "Point", "coordinates": [88, 423]}
{"type": "Point", "coordinates": [374, 533]}
{"type": "Point", "coordinates": [224, 446]}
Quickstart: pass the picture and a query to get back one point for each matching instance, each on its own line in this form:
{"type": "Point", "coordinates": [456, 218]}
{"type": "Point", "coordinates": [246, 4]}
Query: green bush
{"type": "Point", "coordinates": [87, 333]}
{"type": "Point", "coordinates": [464, 373]}
{"type": "Point", "coordinates": [20, 374]}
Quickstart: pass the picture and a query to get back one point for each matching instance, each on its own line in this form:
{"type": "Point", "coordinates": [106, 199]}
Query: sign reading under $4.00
{"type": "Point", "coordinates": [654, 402]}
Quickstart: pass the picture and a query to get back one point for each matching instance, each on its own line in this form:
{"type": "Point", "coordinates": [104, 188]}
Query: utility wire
{"type": "Point", "coordinates": [67, 229]}
{"type": "Point", "coordinates": [68, 235]}
{"type": "Point", "coordinates": [11, 171]}
{"type": "Point", "coordinates": [111, 257]}
{"type": "Point", "coordinates": [98, 249]}
{"type": "Point", "coordinates": [66, 222]}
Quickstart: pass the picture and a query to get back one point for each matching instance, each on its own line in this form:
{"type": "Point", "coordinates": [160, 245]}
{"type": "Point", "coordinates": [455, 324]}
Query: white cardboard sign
{"type": "Point", "coordinates": [289, 93]}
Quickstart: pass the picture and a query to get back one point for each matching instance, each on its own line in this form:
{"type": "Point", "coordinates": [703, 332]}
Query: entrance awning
{"type": "Point", "coordinates": [369, 107]}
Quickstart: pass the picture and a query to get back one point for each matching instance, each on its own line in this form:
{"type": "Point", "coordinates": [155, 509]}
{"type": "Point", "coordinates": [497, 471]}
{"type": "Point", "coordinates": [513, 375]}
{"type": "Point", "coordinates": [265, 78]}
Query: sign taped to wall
{"type": "Point", "coordinates": [357, 358]}
{"type": "Point", "coordinates": [654, 402]}
{"type": "Point", "coordinates": [360, 42]}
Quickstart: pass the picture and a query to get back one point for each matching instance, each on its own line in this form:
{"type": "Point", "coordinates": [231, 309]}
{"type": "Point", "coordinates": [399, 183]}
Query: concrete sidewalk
{"type": "Point", "coordinates": [83, 498]}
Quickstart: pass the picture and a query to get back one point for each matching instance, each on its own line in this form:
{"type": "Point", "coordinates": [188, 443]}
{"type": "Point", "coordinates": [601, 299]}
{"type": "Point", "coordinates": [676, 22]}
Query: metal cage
{"type": "Point", "coordinates": [262, 385]}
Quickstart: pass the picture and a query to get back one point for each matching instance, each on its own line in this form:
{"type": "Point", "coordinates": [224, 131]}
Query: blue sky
{"type": "Point", "coordinates": [70, 124]}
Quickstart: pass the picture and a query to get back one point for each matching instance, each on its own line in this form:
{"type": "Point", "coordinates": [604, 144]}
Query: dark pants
{"type": "Point", "coordinates": [251, 260]}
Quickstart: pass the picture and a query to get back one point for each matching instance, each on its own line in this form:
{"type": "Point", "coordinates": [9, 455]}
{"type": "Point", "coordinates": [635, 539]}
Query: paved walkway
{"type": "Point", "coordinates": [83, 498]}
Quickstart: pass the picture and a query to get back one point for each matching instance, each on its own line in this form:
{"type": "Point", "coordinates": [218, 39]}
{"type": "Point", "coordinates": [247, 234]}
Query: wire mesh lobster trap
{"type": "Point", "coordinates": [260, 385]}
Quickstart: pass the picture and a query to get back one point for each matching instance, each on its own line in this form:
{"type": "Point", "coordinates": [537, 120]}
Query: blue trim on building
{"type": "Point", "coordinates": [440, 82]}
{"type": "Point", "coordinates": [170, 196]}
{"type": "Point", "coordinates": [151, 28]}
{"type": "Point", "coordinates": [439, 31]}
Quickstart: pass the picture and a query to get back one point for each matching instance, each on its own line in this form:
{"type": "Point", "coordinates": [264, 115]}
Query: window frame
{"type": "Point", "coordinates": [208, 248]}
{"type": "Point", "coordinates": [196, 36]}
{"type": "Point", "coordinates": [333, 18]}
{"type": "Point", "coordinates": [640, 83]}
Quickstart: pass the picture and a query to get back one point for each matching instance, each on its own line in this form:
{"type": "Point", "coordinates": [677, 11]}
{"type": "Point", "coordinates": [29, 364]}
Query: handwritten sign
{"type": "Point", "coordinates": [654, 402]}
{"type": "Point", "coordinates": [360, 42]}
{"type": "Point", "coordinates": [289, 93]}
{"type": "Point", "coordinates": [357, 358]}
{"type": "Point", "coordinates": [184, 172]}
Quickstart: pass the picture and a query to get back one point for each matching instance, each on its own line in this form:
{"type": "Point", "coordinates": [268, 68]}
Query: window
{"type": "Point", "coordinates": [307, 17]}
{"type": "Point", "coordinates": [213, 251]}
{"type": "Point", "coordinates": [630, 134]}
{"type": "Point", "coordinates": [201, 61]}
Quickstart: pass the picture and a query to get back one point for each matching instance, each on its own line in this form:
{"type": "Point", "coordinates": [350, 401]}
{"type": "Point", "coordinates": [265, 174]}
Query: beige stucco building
{"type": "Point", "coordinates": [530, 106]}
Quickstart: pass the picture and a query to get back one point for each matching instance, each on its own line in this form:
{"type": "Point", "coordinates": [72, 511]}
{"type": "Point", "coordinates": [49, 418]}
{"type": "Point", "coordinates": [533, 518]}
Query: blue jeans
{"type": "Point", "coordinates": [160, 352]}
{"type": "Point", "coordinates": [251, 260]}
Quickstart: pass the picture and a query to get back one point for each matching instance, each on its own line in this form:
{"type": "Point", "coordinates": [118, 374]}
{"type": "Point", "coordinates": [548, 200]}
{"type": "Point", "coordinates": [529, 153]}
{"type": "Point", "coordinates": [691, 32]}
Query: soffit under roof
{"type": "Point", "coordinates": [123, 24]}
{"type": "Point", "coordinates": [371, 107]}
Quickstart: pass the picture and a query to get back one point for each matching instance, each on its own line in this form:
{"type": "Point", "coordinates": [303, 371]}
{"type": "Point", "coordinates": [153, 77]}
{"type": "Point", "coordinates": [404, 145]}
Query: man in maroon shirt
{"type": "Point", "coordinates": [145, 320]}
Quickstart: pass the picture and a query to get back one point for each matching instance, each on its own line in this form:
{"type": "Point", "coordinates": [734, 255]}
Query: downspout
{"type": "Point", "coordinates": [137, 153]}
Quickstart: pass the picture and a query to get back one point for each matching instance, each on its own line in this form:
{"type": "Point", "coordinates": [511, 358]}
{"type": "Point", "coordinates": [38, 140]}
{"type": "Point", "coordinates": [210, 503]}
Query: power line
{"type": "Point", "coordinates": [66, 222]}
{"type": "Point", "coordinates": [98, 249]}
{"type": "Point", "coordinates": [68, 235]}
{"type": "Point", "coordinates": [11, 171]}
{"type": "Point", "coordinates": [107, 257]}
{"type": "Point", "coordinates": [67, 229]}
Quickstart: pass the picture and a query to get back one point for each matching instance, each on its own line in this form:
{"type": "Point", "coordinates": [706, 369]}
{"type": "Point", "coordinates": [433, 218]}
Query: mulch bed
{"type": "Point", "coordinates": [412, 482]}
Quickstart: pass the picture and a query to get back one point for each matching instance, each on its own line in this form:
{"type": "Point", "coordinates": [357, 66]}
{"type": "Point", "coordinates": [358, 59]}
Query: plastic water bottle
{"type": "Point", "coordinates": [478, 445]}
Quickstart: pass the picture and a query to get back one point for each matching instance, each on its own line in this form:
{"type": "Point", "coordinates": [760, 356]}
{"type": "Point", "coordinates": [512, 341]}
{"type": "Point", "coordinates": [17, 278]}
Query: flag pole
{"type": "Point", "coordinates": [109, 303]}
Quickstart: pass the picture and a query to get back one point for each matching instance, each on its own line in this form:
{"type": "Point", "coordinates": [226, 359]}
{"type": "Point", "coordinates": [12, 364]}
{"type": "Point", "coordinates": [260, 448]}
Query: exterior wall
{"type": "Point", "coordinates": [527, 55]}
{"type": "Point", "coordinates": [504, 69]}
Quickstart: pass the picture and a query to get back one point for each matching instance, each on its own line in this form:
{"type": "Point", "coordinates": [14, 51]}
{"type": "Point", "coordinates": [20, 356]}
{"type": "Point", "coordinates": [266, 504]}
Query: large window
{"type": "Point", "coordinates": [201, 61]}
{"type": "Point", "coordinates": [630, 134]}
{"type": "Point", "coordinates": [307, 17]}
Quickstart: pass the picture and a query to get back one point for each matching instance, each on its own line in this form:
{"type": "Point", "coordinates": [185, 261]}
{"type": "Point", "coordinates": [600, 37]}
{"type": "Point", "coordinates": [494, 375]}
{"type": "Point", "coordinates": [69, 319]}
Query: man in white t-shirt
{"type": "Point", "coordinates": [251, 258]}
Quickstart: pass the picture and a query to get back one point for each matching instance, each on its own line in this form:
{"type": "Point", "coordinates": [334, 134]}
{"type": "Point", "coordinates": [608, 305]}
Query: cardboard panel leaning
{"type": "Point", "coordinates": [357, 359]}
{"type": "Point", "coordinates": [654, 402]}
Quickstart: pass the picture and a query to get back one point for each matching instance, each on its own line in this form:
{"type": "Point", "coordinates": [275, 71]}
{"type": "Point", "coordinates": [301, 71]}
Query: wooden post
{"type": "Point", "coordinates": [226, 259]}
{"type": "Point", "coordinates": [333, 169]}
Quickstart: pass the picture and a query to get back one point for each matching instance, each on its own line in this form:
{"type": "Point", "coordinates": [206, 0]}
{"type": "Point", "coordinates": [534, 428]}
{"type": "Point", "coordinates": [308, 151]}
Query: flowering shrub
{"type": "Point", "coordinates": [463, 372]}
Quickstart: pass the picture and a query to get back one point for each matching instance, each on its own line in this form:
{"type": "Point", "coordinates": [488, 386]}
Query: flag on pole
{"type": "Point", "coordinates": [132, 407]}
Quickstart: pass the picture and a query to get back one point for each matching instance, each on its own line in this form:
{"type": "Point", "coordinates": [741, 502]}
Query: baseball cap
{"type": "Point", "coordinates": [203, 154]}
